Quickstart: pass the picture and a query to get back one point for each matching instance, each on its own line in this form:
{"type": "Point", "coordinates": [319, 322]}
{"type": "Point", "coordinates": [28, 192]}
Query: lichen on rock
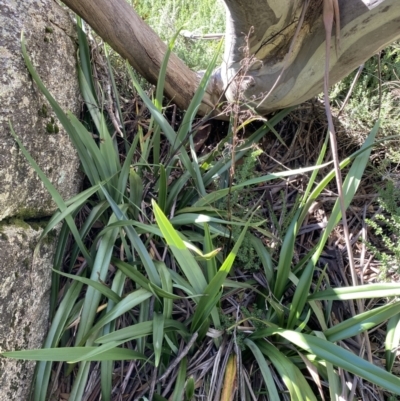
{"type": "Point", "coordinates": [26, 108]}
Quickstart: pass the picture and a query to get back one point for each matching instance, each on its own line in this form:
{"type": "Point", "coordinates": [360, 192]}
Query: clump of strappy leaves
{"type": "Point", "coordinates": [145, 282]}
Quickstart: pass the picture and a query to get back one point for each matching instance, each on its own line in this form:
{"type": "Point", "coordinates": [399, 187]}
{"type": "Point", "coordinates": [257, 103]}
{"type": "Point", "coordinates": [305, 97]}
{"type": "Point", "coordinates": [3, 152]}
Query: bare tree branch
{"type": "Point", "coordinates": [366, 27]}
{"type": "Point", "coordinates": [121, 27]}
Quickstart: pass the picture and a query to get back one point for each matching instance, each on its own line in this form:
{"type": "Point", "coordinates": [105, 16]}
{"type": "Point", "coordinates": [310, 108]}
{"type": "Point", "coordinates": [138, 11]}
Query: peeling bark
{"type": "Point", "coordinates": [364, 32]}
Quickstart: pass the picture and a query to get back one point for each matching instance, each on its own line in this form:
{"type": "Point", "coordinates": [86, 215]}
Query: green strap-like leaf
{"type": "Point", "coordinates": [326, 351]}
{"type": "Point", "coordinates": [158, 336]}
{"type": "Point", "coordinates": [185, 259]}
{"type": "Point", "coordinates": [141, 330]}
{"type": "Point", "coordinates": [76, 353]}
{"type": "Point", "coordinates": [362, 322]}
{"type": "Point", "coordinates": [213, 290]}
{"type": "Point", "coordinates": [294, 380]}
{"type": "Point", "coordinates": [367, 291]}
{"type": "Point", "coordinates": [264, 368]}
{"type": "Point", "coordinates": [392, 341]}
{"type": "Point", "coordinates": [103, 289]}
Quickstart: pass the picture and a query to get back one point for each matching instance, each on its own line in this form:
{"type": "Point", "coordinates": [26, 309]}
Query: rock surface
{"type": "Point", "coordinates": [25, 279]}
{"type": "Point", "coordinates": [49, 35]}
{"type": "Point", "coordinates": [24, 296]}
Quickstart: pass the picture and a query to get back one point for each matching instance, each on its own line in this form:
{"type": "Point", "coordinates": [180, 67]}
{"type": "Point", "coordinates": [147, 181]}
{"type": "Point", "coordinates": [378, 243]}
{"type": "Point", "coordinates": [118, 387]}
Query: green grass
{"type": "Point", "coordinates": [376, 94]}
{"type": "Point", "coordinates": [367, 100]}
{"type": "Point", "coordinates": [385, 227]}
{"type": "Point", "coordinates": [202, 17]}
